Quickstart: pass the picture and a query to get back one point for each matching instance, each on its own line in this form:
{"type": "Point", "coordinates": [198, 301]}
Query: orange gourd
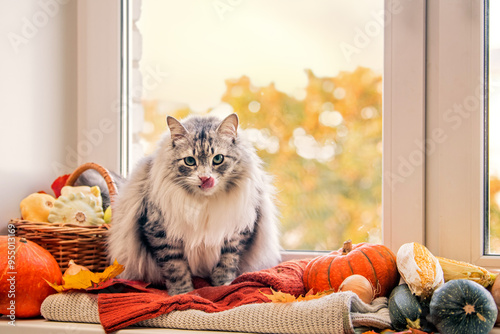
{"type": "Point", "coordinates": [24, 267]}
{"type": "Point", "coordinates": [375, 262]}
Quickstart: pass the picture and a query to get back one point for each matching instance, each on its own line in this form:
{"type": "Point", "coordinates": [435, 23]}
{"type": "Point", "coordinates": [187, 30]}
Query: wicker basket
{"type": "Point", "coordinates": [86, 245]}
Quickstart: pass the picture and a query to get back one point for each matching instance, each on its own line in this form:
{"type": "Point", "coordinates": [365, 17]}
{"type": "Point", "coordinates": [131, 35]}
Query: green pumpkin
{"type": "Point", "coordinates": [463, 306]}
{"type": "Point", "coordinates": [404, 308]}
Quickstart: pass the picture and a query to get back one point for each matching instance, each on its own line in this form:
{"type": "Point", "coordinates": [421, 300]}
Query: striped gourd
{"type": "Point", "coordinates": [453, 269]}
{"type": "Point", "coordinates": [419, 269]}
{"type": "Point", "coordinates": [404, 309]}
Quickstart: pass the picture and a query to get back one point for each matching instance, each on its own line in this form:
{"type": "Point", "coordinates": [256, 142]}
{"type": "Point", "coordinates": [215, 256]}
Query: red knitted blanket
{"type": "Point", "coordinates": [119, 310]}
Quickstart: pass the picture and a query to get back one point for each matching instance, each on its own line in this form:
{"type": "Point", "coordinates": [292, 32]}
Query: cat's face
{"type": "Point", "coordinates": [206, 154]}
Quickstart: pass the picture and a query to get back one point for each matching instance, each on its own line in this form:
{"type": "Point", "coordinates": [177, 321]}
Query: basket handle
{"type": "Point", "coordinates": [103, 171]}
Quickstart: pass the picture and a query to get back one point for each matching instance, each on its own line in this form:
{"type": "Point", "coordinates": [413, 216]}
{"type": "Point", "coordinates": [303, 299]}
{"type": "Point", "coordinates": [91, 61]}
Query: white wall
{"type": "Point", "coordinates": [38, 86]}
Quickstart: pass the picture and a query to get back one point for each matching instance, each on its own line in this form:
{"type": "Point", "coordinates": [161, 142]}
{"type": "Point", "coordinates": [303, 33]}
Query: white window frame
{"type": "Point", "coordinates": [403, 193]}
{"type": "Point", "coordinates": [455, 177]}
{"type": "Point", "coordinates": [417, 204]}
{"type": "Point", "coordinates": [99, 83]}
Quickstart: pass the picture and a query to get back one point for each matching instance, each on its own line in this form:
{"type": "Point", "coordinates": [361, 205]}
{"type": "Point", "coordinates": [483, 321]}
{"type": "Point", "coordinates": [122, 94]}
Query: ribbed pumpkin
{"type": "Point", "coordinates": [24, 267]}
{"type": "Point", "coordinates": [374, 261]}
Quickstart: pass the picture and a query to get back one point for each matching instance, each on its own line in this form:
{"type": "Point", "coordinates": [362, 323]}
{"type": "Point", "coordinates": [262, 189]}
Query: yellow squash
{"type": "Point", "coordinates": [453, 269]}
{"type": "Point", "coordinates": [36, 207]}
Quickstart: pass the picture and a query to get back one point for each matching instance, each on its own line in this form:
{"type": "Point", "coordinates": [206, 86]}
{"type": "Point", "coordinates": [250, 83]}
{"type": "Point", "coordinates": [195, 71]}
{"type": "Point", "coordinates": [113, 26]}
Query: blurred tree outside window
{"type": "Point", "coordinates": [304, 77]}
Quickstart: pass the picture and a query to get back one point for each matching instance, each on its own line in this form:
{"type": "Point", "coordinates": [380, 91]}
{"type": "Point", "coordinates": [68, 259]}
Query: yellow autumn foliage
{"type": "Point", "coordinates": [324, 150]}
{"type": "Point", "coordinates": [283, 297]}
{"type": "Point", "coordinates": [85, 279]}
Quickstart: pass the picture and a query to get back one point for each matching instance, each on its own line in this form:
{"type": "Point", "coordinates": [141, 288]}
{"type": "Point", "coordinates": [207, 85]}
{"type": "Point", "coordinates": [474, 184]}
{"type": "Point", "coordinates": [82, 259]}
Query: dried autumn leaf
{"type": "Point", "coordinates": [310, 295]}
{"type": "Point", "coordinates": [73, 268]}
{"type": "Point", "coordinates": [390, 331]}
{"type": "Point", "coordinates": [112, 271]}
{"type": "Point", "coordinates": [87, 279]}
{"type": "Point", "coordinates": [282, 297]}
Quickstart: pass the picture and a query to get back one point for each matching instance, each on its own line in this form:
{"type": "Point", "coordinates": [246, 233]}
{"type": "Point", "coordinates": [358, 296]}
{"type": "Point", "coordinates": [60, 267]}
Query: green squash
{"type": "Point", "coordinates": [404, 308]}
{"type": "Point", "coordinates": [463, 306]}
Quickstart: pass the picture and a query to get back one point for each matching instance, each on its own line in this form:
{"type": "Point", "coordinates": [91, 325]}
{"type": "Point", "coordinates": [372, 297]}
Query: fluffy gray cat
{"type": "Point", "coordinates": [201, 205]}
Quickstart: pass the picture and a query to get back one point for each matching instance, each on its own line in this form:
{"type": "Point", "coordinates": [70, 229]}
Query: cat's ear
{"type": "Point", "coordinates": [177, 130]}
{"type": "Point", "coordinates": [229, 126]}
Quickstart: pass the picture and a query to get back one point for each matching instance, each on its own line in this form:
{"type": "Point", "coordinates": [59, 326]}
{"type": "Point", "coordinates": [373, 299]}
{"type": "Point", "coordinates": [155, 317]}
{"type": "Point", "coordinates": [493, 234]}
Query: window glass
{"type": "Point", "coordinates": [494, 124]}
{"type": "Point", "coordinates": [304, 77]}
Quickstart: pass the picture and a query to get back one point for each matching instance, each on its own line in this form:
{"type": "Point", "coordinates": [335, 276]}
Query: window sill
{"type": "Point", "coordinates": [42, 326]}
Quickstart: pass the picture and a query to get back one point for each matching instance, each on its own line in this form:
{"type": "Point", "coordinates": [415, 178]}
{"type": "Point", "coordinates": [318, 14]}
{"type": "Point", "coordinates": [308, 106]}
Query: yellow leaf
{"type": "Point", "coordinates": [310, 295]}
{"type": "Point", "coordinates": [282, 297]}
{"type": "Point", "coordinates": [112, 271]}
{"type": "Point", "coordinates": [87, 279]}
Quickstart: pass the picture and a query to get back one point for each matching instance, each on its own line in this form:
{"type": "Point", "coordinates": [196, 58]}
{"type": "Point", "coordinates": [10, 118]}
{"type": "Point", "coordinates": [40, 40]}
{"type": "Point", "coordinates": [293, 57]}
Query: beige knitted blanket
{"type": "Point", "coordinates": [335, 313]}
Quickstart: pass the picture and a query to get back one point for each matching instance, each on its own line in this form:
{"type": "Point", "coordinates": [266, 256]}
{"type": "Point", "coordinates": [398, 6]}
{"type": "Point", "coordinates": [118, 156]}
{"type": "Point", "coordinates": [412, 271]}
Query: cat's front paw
{"type": "Point", "coordinates": [176, 288]}
{"type": "Point", "coordinates": [222, 277]}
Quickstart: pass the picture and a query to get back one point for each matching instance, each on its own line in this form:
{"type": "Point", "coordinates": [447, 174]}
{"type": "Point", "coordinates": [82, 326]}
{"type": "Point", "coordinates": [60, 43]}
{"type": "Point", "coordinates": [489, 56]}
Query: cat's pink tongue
{"type": "Point", "coordinates": [207, 182]}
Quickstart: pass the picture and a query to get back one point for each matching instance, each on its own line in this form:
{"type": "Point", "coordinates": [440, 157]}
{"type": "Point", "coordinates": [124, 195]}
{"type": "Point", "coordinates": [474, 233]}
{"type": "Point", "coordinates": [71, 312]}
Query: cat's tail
{"type": "Point", "coordinates": [92, 178]}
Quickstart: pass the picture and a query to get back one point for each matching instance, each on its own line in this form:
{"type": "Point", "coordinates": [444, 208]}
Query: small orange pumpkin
{"type": "Point", "coordinates": [375, 262]}
{"type": "Point", "coordinates": [24, 267]}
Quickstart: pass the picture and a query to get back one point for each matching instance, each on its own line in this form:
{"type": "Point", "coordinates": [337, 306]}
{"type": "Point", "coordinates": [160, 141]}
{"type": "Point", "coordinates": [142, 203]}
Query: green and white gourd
{"type": "Point", "coordinates": [76, 209]}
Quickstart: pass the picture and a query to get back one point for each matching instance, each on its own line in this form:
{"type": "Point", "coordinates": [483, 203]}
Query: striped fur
{"type": "Point", "coordinates": [173, 220]}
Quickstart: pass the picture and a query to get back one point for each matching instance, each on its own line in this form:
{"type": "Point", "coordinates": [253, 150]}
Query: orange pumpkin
{"type": "Point", "coordinates": [23, 267]}
{"type": "Point", "coordinates": [375, 262]}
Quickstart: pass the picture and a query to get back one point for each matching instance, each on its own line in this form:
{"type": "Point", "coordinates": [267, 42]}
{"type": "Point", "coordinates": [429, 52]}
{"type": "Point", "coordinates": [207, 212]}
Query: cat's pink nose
{"type": "Point", "coordinates": [206, 182]}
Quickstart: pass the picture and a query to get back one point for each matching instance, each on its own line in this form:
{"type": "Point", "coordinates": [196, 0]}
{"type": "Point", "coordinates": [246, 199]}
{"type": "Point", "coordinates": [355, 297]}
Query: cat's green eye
{"type": "Point", "coordinates": [190, 161]}
{"type": "Point", "coordinates": [218, 159]}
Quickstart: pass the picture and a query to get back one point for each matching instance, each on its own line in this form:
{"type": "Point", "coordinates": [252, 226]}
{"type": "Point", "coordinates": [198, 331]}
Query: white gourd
{"type": "Point", "coordinates": [419, 268]}
{"type": "Point", "coordinates": [77, 209]}
{"type": "Point", "coordinates": [94, 191]}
